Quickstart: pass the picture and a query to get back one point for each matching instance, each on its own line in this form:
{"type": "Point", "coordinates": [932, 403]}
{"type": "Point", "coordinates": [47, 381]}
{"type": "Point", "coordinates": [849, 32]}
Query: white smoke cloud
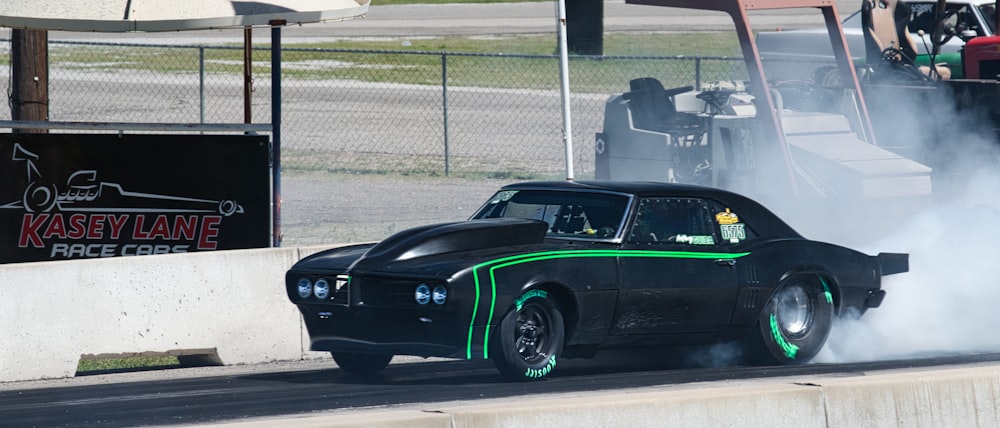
{"type": "Point", "coordinates": [948, 302]}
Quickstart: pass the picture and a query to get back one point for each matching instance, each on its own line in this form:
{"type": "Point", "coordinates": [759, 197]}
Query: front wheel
{"type": "Point", "coordinates": [361, 364]}
{"type": "Point", "coordinates": [531, 336]}
{"type": "Point", "coordinates": [795, 323]}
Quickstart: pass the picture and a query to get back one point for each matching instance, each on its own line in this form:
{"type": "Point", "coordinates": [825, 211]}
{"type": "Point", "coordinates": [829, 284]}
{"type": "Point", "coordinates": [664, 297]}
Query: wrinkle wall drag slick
{"type": "Point", "coordinates": [93, 196]}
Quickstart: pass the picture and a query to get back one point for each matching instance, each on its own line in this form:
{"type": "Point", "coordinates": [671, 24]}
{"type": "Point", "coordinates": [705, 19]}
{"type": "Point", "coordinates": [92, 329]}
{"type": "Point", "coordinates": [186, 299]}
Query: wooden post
{"type": "Point", "coordinates": [30, 77]}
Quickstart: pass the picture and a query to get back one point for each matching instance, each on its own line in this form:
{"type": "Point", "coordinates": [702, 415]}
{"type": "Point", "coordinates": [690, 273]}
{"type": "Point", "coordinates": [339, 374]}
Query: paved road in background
{"type": "Point", "coordinates": [324, 209]}
{"type": "Point", "coordinates": [493, 18]}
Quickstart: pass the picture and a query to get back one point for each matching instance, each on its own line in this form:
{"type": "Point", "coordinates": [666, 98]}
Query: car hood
{"type": "Point", "coordinates": [333, 259]}
{"type": "Point", "coordinates": [431, 240]}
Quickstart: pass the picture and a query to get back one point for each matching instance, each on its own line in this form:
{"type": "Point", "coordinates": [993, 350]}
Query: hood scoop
{"type": "Point", "coordinates": [453, 237]}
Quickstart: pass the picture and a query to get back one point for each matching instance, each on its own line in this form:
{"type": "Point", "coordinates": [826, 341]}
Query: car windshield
{"type": "Point", "coordinates": [921, 18]}
{"type": "Point", "coordinates": [853, 21]}
{"type": "Point", "coordinates": [989, 12]}
{"type": "Point", "coordinates": [568, 213]}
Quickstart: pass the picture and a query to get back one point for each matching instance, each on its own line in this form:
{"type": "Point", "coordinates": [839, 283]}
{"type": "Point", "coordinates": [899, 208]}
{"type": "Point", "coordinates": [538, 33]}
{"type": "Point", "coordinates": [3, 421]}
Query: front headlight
{"type": "Point", "coordinates": [422, 294]}
{"type": "Point", "coordinates": [322, 289]}
{"type": "Point", "coordinates": [440, 295]}
{"type": "Point", "coordinates": [305, 288]}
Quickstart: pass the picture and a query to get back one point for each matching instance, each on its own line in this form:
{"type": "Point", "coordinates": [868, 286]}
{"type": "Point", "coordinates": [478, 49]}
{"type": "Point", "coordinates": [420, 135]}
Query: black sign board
{"type": "Point", "coordinates": [74, 196]}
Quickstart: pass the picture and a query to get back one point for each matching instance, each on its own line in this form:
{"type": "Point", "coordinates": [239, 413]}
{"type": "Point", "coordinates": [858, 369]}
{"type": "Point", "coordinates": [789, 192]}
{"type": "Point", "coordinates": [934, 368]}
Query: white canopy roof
{"type": "Point", "coordinates": [117, 16]}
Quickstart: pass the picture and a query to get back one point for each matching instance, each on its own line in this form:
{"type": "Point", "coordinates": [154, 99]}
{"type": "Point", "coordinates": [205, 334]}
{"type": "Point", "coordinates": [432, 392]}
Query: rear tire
{"type": "Point", "coordinates": [531, 337]}
{"type": "Point", "coordinates": [361, 364]}
{"type": "Point", "coordinates": [795, 323]}
{"type": "Point", "coordinates": [40, 198]}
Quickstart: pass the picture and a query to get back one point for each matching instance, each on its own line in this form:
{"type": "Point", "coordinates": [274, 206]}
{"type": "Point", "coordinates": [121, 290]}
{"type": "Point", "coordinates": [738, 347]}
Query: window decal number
{"type": "Point", "coordinates": [734, 233]}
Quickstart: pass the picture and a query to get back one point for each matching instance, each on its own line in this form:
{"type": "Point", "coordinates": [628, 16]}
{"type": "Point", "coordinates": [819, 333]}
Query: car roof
{"type": "Point", "coordinates": [638, 188]}
{"type": "Point", "coordinates": [764, 220]}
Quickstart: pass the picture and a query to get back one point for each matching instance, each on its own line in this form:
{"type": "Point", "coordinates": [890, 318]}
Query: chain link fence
{"type": "Point", "coordinates": [359, 111]}
{"type": "Point", "coordinates": [373, 142]}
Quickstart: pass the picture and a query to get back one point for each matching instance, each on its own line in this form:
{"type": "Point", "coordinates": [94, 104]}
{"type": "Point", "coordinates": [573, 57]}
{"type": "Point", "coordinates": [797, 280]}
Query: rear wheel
{"type": "Point", "coordinates": [40, 197]}
{"type": "Point", "coordinates": [361, 364]}
{"type": "Point", "coordinates": [795, 323]}
{"type": "Point", "coordinates": [531, 336]}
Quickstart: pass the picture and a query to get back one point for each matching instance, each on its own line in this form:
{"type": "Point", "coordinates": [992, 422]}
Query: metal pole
{"type": "Point", "coordinates": [276, 128]}
{"type": "Point", "coordinates": [444, 109]}
{"type": "Point", "coordinates": [247, 74]}
{"type": "Point", "coordinates": [201, 84]}
{"type": "Point", "coordinates": [564, 84]}
{"type": "Point", "coordinates": [697, 72]}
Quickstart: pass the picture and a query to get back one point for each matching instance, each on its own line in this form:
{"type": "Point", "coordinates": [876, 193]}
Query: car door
{"type": "Point", "coordinates": [676, 277]}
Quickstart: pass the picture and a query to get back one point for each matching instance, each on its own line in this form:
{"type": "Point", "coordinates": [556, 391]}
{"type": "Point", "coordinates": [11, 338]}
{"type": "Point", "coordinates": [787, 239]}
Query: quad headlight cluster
{"type": "Point", "coordinates": [378, 292]}
{"type": "Point", "coordinates": [320, 289]}
{"type": "Point", "coordinates": [424, 294]}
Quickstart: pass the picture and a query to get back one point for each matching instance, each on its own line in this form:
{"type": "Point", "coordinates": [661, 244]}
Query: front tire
{"type": "Point", "coordinates": [361, 364]}
{"type": "Point", "coordinates": [796, 321]}
{"type": "Point", "coordinates": [531, 337]}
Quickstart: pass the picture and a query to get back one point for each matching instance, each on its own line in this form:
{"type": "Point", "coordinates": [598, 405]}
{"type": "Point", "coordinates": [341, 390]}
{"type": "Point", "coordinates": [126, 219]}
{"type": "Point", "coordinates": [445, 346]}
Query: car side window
{"type": "Point", "coordinates": [681, 221]}
{"type": "Point", "coordinates": [957, 17]}
{"type": "Point", "coordinates": [921, 17]}
{"type": "Point", "coordinates": [687, 221]}
{"type": "Point", "coordinates": [569, 214]}
{"type": "Point", "coordinates": [989, 12]}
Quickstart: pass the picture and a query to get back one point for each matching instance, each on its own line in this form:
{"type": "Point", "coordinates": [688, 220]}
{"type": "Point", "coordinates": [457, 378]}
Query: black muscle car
{"type": "Point", "coordinates": [546, 270]}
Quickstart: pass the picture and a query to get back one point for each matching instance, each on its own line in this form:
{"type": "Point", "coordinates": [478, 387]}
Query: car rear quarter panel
{"type": "Point", "coordinates": [848, 273]}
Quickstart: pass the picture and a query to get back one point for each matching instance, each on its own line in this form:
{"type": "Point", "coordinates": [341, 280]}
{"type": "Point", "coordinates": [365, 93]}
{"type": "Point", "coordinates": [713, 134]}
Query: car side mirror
{"type": "Point", "coordinates": [968, 35]}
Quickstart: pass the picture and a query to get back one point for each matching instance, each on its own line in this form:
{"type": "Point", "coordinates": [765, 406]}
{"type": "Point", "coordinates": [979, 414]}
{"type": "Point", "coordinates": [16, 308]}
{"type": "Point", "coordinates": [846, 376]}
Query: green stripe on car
{"type": "Point", "coordinates": [561, 254]}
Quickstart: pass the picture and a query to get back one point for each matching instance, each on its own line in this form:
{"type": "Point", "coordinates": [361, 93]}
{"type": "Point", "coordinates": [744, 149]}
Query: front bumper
{"type": "Point", "coordinates": [344, 344]}
{"type": "Point", "coordinates": [386, 331]}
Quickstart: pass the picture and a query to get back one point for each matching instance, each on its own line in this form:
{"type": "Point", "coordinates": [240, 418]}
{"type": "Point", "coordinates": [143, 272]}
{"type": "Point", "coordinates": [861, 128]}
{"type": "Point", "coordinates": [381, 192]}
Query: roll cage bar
{"type": "Point", "coordinates": [768, 117]}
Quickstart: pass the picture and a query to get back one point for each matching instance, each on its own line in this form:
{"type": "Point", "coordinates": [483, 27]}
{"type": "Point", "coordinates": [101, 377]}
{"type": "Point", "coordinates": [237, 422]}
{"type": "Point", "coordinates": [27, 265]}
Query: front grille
{"type": "Point", "coordinates": [389, 292]}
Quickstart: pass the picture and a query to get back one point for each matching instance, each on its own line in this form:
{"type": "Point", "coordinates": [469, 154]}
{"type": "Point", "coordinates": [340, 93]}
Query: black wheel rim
{"type": "Point", "coordinates": [532, 330]}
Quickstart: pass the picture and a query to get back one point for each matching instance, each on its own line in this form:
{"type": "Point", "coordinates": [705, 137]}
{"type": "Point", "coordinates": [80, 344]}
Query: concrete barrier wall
{"type": "Point", "coordinates": [232, 303]}
{"type": "Point", "coordinates": [958, 397]}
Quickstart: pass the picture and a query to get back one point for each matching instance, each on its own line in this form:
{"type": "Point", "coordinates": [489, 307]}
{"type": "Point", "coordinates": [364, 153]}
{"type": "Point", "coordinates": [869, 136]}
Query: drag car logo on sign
{"type": "Point", "coordinates": [61, 206]}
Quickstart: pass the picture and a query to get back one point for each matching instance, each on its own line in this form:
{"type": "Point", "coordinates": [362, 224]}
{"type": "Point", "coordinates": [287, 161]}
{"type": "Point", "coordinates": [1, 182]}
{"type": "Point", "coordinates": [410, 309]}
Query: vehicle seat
{"type": "Point", "coordinates": [571, 219]}
{"type": "Point", "coordinates": [886, 25]}
{"type": "Point", "coordinates": [653, 108]}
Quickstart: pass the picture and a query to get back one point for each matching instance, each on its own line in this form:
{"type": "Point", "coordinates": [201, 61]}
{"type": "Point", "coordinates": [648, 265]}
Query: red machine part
{"type": "Point", "coordinates": [981, 58]}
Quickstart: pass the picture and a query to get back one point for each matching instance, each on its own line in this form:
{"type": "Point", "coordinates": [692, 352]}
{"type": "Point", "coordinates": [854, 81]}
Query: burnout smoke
{"type": "Point", "coordinates": [947, 303]}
